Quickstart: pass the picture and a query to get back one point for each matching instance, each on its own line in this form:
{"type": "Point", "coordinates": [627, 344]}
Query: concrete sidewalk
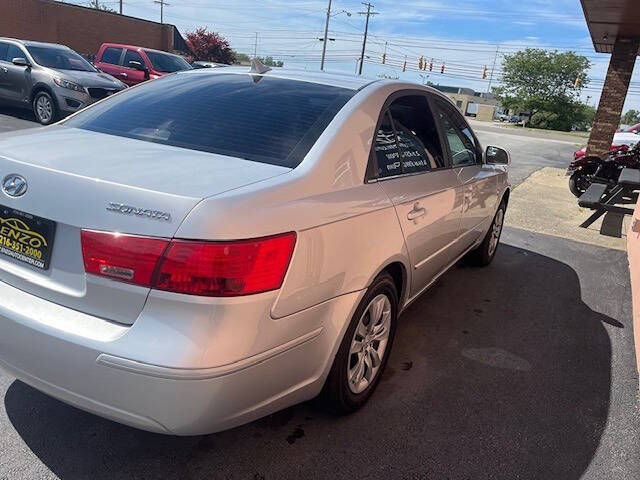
{"type": "Point", "coordinates": [544, 204]}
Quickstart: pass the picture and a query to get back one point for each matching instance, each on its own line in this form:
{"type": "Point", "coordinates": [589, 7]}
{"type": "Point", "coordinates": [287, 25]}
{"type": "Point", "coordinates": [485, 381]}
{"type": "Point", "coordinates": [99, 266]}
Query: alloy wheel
{"type": "Point", "coordinates": [44, 109]}
{"type": "Point", "coordinates": [369, 344]}
{"type": "Point", "coordinates": [496, 230]}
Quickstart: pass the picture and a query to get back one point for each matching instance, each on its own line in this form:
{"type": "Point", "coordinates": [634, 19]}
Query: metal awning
{"type": "Point", "coordinates": [609, 20]}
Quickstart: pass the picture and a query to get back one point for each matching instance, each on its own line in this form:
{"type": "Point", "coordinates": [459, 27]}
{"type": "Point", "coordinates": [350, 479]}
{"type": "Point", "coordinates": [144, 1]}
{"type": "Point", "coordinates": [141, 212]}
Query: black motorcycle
{"type": "Point", "coordinates": [591, 169]}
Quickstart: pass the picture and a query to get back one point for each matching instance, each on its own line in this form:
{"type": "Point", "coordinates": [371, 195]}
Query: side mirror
{"type": "Point", "coordinates": [497, 156]}
{"type": "Point", "coordinates": [21, 62]}
{"type": "Point", "coordinates": [141, 67]}
{"type": "Point", "coordinates": [137, 65]}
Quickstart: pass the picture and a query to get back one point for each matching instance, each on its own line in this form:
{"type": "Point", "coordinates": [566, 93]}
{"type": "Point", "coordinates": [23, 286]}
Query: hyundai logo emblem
{"type": "Point", "coordinates": [14, 185]}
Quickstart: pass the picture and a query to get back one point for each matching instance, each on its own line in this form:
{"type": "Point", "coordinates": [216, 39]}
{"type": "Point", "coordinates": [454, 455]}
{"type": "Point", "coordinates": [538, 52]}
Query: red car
{"type": "Point", "coordinates": [133, 65]}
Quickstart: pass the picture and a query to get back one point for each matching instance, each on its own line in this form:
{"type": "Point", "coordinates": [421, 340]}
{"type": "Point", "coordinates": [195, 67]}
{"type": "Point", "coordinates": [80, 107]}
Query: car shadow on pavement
{"type": "Point", "coordinates": [500, 372]}
{"type": "Point", "coordinates": [21, 113]}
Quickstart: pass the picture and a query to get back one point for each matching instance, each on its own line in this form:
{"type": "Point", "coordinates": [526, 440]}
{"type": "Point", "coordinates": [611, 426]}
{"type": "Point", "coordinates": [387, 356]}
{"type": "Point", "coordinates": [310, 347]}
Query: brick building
{"type": "Point", "coordinates": [82, 29]}
{"type": "Point", "coordinates": [615, 28]}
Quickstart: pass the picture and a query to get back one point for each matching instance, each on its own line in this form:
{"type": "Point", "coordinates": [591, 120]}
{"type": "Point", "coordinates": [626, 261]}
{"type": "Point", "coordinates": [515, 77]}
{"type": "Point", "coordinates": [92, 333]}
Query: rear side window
{"type": "Point", "coordinates": [264, 119]}
{"type": "Point", "coordinates": [410, 123]}
{"type": "Point", "coordinates": [417, 134]}
{"type": "Point", "coordinates": [132, 56]}
{"type": "Point", "coordinates": [112, 55]}
{"type": "Point", "coordinates": [3, 50]}
{"type": "Point", "coordinates": [386, 149]}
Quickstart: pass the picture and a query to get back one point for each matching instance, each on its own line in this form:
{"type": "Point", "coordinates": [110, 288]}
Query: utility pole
{"type": "Point", "coordinates": [495, 59]}
{"type": "Point", "coordinates": [162, 3]}
{"type": "Point", "coordinates": [120, 7]}
{"type": "Point", "coordinates": [255, 47]}
{"type": "Point", "coordinates": [326, 34]}
{"type": "Point", "coordinates": [368, 13]}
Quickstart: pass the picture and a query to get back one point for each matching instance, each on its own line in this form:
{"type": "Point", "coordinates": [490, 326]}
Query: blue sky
{"type": "Point", "coordinates": [464, 36]}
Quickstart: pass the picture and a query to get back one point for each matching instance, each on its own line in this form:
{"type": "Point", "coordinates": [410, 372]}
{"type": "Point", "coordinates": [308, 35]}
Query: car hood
{"type": "Point", "coordinates": [90, 79]}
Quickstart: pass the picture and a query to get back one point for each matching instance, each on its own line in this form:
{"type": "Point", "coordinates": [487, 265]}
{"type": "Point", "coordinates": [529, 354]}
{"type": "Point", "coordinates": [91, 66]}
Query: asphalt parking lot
{"type": "Point", "coordinates": [524, 370]}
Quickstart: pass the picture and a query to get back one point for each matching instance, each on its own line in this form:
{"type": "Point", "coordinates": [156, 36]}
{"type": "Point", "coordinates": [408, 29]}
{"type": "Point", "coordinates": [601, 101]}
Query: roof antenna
{"type": "Point", "coordinates": [257, 67]}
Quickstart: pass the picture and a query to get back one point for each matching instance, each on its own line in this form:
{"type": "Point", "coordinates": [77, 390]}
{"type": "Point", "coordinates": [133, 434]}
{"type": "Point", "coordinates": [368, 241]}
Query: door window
{"type": "Point", "coordinates": [14, 52]}
{"type": "Point", "coordinates": [132, 56]}
{"type": "Point", "coordinates": [461, 142]}
{"type": "Point", "coordinates": [3, 50]}
{"type": "Point", "coordinates": [111, 55]}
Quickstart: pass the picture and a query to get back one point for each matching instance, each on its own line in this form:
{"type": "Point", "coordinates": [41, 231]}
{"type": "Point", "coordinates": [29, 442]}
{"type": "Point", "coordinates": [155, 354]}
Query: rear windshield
{"type": "Point", "coordinates": [60, 59]}
{"type": "Point", "coordinates": [264, 119]}
{"type": "Point", "coordinates": [162, 62]}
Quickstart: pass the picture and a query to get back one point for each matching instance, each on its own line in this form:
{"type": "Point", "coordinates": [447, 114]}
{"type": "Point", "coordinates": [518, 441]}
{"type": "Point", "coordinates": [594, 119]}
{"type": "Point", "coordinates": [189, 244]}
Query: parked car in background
{"type": "Point", "coordinates": [515, 119]}
{"type": "Point", "coordinates": [134, 65]}
{"type": "Point", "coordinates": [633, 128]}
{"type": "Point", "coordinates": [244, 241]}
{"type": "Point", "coordinates": [621, 141]}
{"type": "Point", "coordinates": [51, 79]}
{"type": "Point", "coordinates": [203, 64]}
{"type": "Point", "coordinates": [503, 117]}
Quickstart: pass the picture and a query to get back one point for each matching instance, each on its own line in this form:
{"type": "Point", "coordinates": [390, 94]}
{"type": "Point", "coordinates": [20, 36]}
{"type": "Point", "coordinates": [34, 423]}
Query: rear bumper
{"type": "Point", "coordinates": [168, 373]}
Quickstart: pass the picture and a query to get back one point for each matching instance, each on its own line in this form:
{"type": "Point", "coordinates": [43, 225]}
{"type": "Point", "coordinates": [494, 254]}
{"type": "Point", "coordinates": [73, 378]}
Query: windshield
{"type": "Point", "coordinates": [162, 62]}
{"type": "Point", "coordinates": [264, 119]}
{"type": "Point", "coordinates": [60, 59]}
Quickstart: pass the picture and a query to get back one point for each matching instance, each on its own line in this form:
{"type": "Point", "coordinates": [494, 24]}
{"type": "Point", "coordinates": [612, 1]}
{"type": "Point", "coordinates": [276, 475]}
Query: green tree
{"type": "Point", "coordinates": [631, 117]}
{"type": "Point", "coordinates": [546, 84]}
{"type": "Point", "coordinates": [268, 61]}
{"type": "Point", "coordinates": [99, 6]}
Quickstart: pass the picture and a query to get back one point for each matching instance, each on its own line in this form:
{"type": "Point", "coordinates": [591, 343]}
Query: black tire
{"type": "Point", "coordinates": [484, 254]}
{"type": "Point", "coordinates": [42, 114]}
{"type": "Point", "coordinates": [337, 394]}
{"type": "Point", "coordinates": [578, 183]}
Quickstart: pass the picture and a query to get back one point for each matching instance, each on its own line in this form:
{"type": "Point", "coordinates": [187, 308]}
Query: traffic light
{"type": "Point", "coordinates": [442, 69]}
{"type": "Point", "coordinates": [431, 65]}
{"type": "Point", "coordinates": [384, 58]}
{"type": "Point", "coordinates": [420, 63]}
{"type": "Point", "coordinates": [484, 73]}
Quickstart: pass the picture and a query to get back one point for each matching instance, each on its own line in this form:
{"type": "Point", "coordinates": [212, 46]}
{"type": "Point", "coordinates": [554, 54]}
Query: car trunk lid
{"type": "Point", "coordinates": [87, 180]}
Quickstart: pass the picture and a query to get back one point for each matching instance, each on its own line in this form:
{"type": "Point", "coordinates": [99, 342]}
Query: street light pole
{"type": "Point", "coordinates": [368, 13]}
{"type": "Point", "coordinates": [326, 34]}
{"type": "Point", "coordinates": [120, 7]}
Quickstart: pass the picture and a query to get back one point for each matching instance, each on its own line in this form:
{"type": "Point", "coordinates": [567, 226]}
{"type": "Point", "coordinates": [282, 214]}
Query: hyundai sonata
{"type": "Point", "coordinates": [213, 246]}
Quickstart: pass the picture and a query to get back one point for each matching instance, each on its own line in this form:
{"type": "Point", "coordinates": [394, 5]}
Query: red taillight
{"type": "Point", "coordinates": [216, 269]}
{"type": "Point", "coordinates": [128, 258]}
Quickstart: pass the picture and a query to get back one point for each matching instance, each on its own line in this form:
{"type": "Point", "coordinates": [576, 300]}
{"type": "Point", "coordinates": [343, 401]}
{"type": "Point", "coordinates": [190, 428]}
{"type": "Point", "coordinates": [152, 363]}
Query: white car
{"type": "Point", "coordinates": [215, 245]}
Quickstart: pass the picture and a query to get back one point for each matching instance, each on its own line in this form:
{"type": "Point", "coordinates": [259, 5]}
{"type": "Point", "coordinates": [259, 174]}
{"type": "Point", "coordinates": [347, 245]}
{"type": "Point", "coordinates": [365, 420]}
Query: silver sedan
{"type": "Point", "coordinates": [216, 245]}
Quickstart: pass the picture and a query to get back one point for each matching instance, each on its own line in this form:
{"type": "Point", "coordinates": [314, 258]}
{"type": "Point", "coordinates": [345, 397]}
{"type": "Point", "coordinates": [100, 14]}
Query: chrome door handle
{"type": "Point", "coordinates": [5, 69]}
{"type": "Point", "coordinates": [416, 213]}
{"type": "Point", "coordinates": [123, 75]}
